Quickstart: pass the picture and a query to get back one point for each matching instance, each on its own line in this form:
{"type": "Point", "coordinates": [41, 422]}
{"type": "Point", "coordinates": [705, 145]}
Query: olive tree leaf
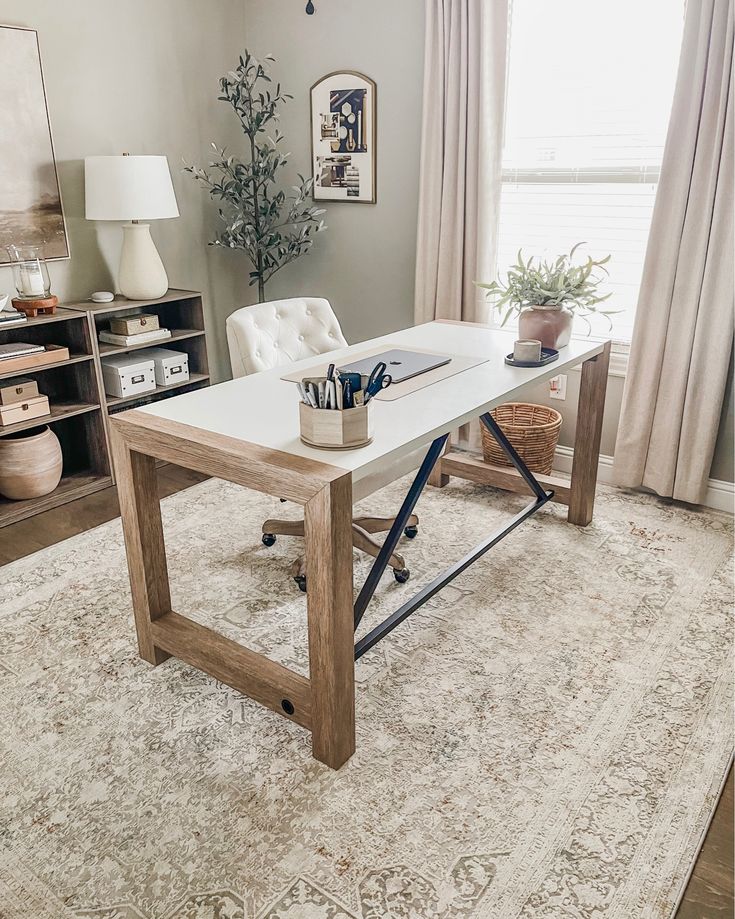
{"type": "Point", "coordinates": [259, 219]}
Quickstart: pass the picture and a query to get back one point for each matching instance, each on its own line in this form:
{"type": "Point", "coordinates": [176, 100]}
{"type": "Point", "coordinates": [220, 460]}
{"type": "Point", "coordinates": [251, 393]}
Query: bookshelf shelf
{"type": "Point", "coordinates": [194, 378]}
{"type": "Point", "coordinates": [59, 411]}
{"type": "Point", "coordinates": [73, 359]}
{"type": "Point", "coordinates": [72, 485]}
{"type": "Point", "coordinates": [176, 336]}
{"type": "Point", "coordinates": [76, 412]}
{"type": "Point", "coordinates": [182, 312]}
{"type": "Point", "coordinates": [79, 406]}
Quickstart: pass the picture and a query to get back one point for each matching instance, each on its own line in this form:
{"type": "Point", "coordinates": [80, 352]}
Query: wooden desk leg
{"type": "Point", "coordinates": [140, 510]}
{"type": "Point", "coordinates": [329, 603]}
{"type": "Point", "coordinates": [587, 439]}
{"type": "Point", "coordinates": [437, 478]}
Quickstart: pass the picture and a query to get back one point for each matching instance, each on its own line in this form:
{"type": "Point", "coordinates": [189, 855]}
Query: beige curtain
{"type": "Point", "coordinates": [684, 322]}
{"type": "Point", "coordinates": [464, 93]}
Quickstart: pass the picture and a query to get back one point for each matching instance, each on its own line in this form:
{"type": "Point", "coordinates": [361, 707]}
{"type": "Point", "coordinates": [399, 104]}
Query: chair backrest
{"type": "Point", "coordinates": [274, 334]}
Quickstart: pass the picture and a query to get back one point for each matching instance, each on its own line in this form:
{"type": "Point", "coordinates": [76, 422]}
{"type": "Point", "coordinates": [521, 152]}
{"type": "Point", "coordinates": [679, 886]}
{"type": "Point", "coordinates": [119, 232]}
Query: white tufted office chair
{"type": "Point", "coordinates": [275, 334]}
{"type": "Point", "coordinates": [270, 335]}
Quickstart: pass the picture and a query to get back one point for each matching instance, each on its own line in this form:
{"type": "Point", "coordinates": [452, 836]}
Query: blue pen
{"type": "Point", "coordinates": [347, 395]}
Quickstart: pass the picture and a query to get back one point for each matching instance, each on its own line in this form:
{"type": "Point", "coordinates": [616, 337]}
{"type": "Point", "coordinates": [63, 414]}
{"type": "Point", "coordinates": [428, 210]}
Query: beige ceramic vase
{"type": "Point", "coordinates": [30, 464]}
{"type": "Point", "coordinates": [551, 325]}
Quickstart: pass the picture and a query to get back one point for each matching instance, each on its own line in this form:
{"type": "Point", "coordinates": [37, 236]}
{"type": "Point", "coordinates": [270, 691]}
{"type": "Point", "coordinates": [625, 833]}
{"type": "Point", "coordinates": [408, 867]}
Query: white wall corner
{"type": "Point", "coordinates": [720, 495]}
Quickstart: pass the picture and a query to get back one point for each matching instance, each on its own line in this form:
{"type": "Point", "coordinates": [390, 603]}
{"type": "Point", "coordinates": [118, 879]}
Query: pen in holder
{"type": "Point", "coordinates": [336, 410]}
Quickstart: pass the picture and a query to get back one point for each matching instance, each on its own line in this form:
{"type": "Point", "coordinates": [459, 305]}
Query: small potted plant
{"type": "Point", "coordinates": [547, 296]}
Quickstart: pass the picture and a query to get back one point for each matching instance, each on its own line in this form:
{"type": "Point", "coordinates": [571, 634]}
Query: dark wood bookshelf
{"type": "Point", "coordinates": [180, 311]}
{"type": "Point", "coordinates": [76, 410]}
{"type": "Point", "coordinates": [79, 407]}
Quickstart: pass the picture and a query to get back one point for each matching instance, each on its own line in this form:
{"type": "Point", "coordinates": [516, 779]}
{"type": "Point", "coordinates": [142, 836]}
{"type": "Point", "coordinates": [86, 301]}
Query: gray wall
{"type": "Point", "coordinates": [142, 76]}
{"type": "Point", "coordinates": [568, 409]}
{"type": "Point", "coordinates": [138, 76]}
{"type": "Point", "coordinates": [364, 262]}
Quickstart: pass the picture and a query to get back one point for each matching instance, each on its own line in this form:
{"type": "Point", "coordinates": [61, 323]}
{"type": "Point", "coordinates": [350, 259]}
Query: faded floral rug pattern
{"type": "Point", "coordinates": [546, 738]}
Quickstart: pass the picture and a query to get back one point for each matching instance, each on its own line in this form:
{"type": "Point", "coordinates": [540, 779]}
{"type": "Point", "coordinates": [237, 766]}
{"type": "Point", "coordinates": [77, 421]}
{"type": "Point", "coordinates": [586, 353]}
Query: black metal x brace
{"type": "Point", "coordinates": [394, 534]}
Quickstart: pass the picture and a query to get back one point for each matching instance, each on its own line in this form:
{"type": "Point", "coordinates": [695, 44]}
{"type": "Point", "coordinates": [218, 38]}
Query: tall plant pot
{"type": "Point", "coordinates": [551, 325]}
{"type": "Point", "coordinates": [30, 464]}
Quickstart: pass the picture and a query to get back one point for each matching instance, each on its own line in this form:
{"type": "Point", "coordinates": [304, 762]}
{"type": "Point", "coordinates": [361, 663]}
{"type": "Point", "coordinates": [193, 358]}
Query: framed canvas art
{"type": "Point", "coordinates": [343, 134]}
{"type": "Point", "coordinates": [30, 200]}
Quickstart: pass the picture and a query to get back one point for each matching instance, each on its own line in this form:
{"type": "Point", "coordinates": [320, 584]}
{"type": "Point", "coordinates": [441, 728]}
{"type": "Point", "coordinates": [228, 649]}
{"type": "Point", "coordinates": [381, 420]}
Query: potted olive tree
{"type": "Point", "coordinates": [547, 295]}
{"type": "Point", "coordinates": [259, 218]}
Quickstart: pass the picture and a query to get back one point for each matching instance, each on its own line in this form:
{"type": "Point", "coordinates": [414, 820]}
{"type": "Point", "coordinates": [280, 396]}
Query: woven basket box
{"type": "Point", "coordinates": [134, 325]}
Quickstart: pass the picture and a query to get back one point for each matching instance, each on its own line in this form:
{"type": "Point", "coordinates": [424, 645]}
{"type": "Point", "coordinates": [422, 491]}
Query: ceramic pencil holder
{"type": "Point", "coordinates": [336, 429]}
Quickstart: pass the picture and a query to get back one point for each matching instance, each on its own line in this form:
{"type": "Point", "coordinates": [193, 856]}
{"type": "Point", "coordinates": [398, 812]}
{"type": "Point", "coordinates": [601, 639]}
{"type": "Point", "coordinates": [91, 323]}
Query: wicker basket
{"type": "Point", "coordinates": [532, 429]}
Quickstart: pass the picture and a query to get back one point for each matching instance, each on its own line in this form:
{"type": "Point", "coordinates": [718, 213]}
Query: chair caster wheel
{"type": "Point", "coordinates": [301, 581]}
{"type": "Point", "coordinates": [411, 532]}
{"type": "Point", "coordinates": [401, 575]}
{"type": "Point", "coordinates": [269, 539]}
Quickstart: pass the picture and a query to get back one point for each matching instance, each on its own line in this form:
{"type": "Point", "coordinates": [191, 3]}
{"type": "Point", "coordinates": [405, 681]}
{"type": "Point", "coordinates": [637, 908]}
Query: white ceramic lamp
{"type": "Point", "coordinates": [133, 189]}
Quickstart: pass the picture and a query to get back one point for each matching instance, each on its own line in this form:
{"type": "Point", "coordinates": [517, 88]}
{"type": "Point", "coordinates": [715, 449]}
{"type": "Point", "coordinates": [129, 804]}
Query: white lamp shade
{"type": "Point", "coordinates": [128, 188]}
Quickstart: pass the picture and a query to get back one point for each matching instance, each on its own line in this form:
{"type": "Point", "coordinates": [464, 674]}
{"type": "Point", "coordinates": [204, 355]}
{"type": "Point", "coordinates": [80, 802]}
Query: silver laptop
{"type": "Point", "coordinates": [401, 365]}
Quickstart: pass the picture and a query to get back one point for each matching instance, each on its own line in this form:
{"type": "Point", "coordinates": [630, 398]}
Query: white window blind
{"type": "Point", "coordinates": [588, 102]}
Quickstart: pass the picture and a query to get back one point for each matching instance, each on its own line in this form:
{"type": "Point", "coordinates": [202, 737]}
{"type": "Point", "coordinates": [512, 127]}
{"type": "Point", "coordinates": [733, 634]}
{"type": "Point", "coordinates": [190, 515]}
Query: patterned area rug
{"type": "Point", "coordinates": [546, 738]}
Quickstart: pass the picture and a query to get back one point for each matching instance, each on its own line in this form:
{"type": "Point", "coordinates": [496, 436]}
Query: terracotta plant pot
{"type": "Point", "coordinates": [30, 464]}
{"type": "Point", "coordinates": [551, 325]}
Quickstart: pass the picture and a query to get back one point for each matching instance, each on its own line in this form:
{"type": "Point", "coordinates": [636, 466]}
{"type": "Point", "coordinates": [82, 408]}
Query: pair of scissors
{"type": "Point", "coordinates": [377, 380]}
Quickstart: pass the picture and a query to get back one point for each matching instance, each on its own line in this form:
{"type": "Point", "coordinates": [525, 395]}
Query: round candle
{"type": "Point", "coordinates": [527, 349]}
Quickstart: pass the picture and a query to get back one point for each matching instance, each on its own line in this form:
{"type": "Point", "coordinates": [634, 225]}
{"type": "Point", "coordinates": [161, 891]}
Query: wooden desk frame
{"type": "Point", "coordinates": [577, 492]}
{"type": "Point", "coordinates": [323, 703]}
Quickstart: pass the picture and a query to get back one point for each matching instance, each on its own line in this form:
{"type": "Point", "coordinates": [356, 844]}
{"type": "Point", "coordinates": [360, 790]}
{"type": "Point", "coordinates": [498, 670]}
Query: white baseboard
{"type": "Point", "coordinates": [720, 495]}
{"type": "Point", "coordinates": [563, 463]}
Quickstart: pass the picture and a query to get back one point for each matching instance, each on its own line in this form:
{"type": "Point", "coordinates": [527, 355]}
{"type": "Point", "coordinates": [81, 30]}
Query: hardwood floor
{"type": "Point", "coordinates": [28, 536]}
{"type": "Point", "coordinates": [710, 892]}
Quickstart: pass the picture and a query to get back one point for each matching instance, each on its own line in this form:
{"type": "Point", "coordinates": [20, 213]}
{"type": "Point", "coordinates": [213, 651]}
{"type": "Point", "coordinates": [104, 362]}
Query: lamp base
{"type": "Point", "coordinates": [142, 275]}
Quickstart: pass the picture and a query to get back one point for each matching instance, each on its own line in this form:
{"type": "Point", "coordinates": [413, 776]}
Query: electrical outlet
{"type": "Point", "coordinates": [558, 387]}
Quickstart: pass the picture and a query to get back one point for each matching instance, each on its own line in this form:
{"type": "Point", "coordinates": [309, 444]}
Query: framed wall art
{"type": "Point", "coordinates": [30, 200]}
{"type": "Point", "coordinates": [343, 134]}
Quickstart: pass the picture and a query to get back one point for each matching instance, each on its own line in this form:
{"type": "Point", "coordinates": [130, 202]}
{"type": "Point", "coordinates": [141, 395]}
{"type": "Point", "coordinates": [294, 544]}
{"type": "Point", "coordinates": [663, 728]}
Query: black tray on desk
{"type": "Point", "coordinates": [548, 356]}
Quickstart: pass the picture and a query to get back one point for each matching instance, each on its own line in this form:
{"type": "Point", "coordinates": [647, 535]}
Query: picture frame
{"type": "Point", "coordinates": [344, 138]}
{"type": "Point", "coordinates": [31, 209]}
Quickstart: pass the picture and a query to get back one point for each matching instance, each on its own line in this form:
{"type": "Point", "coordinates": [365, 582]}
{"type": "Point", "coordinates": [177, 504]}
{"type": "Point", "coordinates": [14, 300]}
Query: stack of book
{"type": "Point", "coordinates": [18, 349]}
{"type": "Point", "coordinates": [140, 329]}
{"type": "Point", "coordinates": [10, 317]}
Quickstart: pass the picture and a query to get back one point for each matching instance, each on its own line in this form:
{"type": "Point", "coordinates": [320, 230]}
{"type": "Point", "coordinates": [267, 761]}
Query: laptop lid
{"type": "Point", "coordinates": [401, 365]}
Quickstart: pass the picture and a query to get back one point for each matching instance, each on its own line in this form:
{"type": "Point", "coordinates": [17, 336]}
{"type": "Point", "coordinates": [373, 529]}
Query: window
{"type": "Point", "coordinates": [587, 108]}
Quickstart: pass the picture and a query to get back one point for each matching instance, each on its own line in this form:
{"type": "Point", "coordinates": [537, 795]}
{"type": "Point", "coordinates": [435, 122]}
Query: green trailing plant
{"type": "Point", "coordinates": [555, 284]}
{"type": "Point", "coordinates": [259, 218]}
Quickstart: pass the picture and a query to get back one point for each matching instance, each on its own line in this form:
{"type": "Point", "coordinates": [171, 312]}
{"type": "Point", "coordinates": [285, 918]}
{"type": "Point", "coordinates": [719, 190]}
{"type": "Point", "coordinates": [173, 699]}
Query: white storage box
{"type": "Point", "coordinates": [170, 366]}
{"type": "Point", "coordinates": [128, 374]}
